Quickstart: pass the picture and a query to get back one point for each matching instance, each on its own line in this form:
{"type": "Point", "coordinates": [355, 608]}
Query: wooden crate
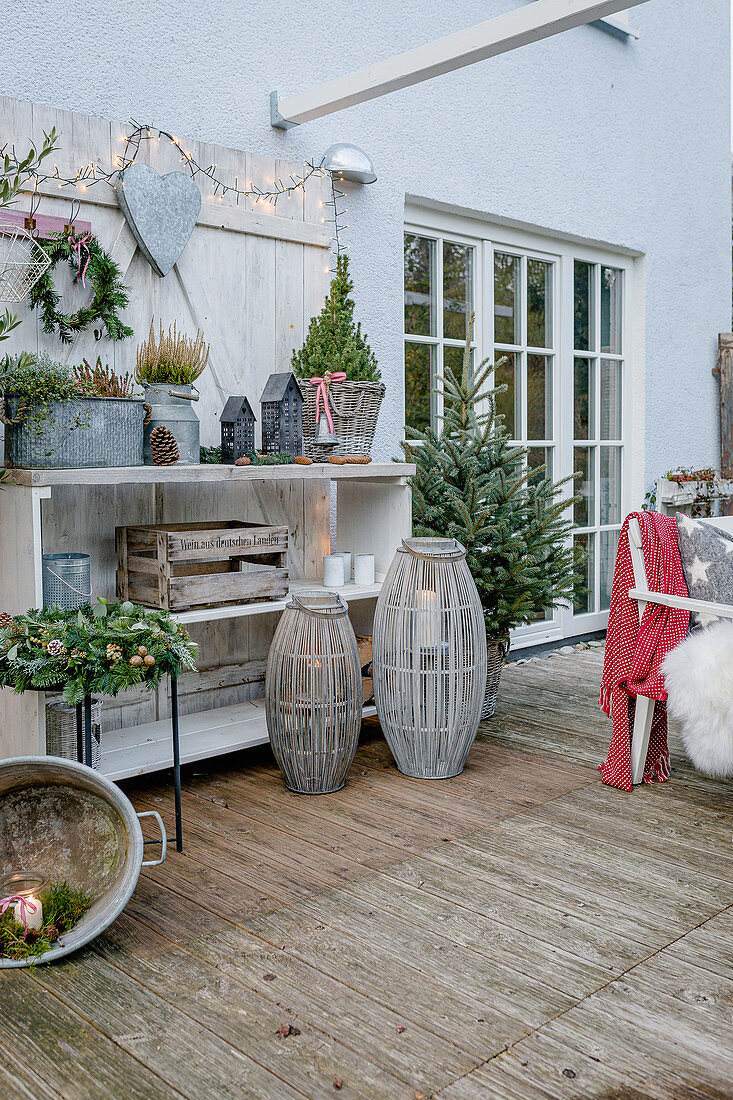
{"type": "Point", "coordinates": [182, 566]}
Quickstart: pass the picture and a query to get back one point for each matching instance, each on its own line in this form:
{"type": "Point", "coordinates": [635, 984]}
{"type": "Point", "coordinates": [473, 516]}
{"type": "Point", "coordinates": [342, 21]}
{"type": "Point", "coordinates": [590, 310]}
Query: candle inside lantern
{"type": "Point", "coordinates": [428, 619]}
{"type": "Point", "coordinates": [22, 892]}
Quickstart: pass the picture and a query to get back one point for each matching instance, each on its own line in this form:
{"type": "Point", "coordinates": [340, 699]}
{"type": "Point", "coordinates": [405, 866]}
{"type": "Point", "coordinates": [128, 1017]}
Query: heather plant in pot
{"type": "Point", "coordinates": [60, 416]}
{"type": "Point", "coordinates": [168, 364]}
{"type": "Point", "coordinates": [473, 485]}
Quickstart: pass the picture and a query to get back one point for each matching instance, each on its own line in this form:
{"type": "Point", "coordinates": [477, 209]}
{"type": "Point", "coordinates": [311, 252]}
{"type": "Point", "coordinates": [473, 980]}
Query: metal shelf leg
{"type": "Point", "coordinates": [176, 763]}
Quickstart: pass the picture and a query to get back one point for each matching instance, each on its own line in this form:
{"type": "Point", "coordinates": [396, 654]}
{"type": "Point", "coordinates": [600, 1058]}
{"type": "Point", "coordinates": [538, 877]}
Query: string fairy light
{"type": "Point", "coordinates": [91, 174]}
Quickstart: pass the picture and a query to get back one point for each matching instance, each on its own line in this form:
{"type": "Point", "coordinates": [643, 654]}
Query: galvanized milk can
{"type": "Point", "coordinates": [171, 405]}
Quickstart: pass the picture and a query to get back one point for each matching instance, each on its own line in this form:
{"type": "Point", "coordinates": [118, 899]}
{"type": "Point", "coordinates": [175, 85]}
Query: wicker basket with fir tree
{"type": "Point", "coordinates": [335, 345]}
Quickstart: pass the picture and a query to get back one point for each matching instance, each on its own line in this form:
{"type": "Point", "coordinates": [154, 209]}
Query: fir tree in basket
{"type": "Point", "coordinates": [335, 343]}
{"type": "Point", "coordinates": [472, 484]}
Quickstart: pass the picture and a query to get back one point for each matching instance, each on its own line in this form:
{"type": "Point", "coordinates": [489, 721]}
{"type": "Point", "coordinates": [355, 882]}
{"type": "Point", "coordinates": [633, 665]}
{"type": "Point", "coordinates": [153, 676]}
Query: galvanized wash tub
{"type": "Point", "coordinates": [65, 822]}
{"type": "Point", "coordinates": [74, 433]}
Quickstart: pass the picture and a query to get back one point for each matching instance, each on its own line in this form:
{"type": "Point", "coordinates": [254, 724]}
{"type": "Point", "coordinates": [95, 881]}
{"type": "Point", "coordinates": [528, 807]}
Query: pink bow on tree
{"type": "Point", "coordinates": [77, 244]}
{"type": "Point", "coordinates": [322, 394]}
{"type": "Point", "coordinates": [25, 905]}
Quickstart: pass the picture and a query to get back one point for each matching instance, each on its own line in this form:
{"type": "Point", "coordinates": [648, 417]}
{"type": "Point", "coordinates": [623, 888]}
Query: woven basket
{"type": "Point", "coordinates": [496, 653]}
{"type": "Point", "coordinates": [355, 408]}
{"type": "Point", "coordinates": [61, 731]}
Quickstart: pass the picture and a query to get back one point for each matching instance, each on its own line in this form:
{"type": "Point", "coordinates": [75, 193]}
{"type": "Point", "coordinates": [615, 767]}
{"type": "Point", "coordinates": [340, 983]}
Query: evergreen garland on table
{"type": "Point", "coordinates": [105, 278]}
{"type": "Point", "coordinates": [334, 341]}
{"type": "Point", "coordinates": [471, 484]}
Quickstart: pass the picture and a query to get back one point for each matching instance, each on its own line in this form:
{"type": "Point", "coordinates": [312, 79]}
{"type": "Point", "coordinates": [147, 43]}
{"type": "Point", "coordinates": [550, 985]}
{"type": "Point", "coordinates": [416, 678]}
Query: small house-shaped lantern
{"type": "Point", "coordinates": [237, 429]}
{"type": "Point", "coordinates": [282, 416]}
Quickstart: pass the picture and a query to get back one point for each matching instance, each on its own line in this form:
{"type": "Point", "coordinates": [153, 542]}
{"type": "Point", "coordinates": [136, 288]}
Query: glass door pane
{"type": "Point", "coordinates": [507, 294]}
{"type": "Point", "coordinates": [419, 285]}
{"type": "Point", "coordinates": [420, 368]}
{"type": "Point", "coordinates": [457, 289]}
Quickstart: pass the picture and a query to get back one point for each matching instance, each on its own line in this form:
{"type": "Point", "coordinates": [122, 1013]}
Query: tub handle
{"type": "Point", "coordinates": [163, 839]}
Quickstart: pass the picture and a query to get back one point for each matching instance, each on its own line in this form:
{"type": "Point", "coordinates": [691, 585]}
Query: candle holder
{"type": "Point", "coordinates": [313, 693]}
{"type": "Point", "coordinates": [24, 890]}
{"type": "Point", "coordinates": [429, 658]}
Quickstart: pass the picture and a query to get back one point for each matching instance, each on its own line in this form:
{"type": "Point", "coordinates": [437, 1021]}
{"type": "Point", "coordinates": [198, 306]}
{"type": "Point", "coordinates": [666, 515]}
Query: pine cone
{"type": "Point", "coordinates": [6, 620]}
{"type": "Point", "coordinates": [163, 447]}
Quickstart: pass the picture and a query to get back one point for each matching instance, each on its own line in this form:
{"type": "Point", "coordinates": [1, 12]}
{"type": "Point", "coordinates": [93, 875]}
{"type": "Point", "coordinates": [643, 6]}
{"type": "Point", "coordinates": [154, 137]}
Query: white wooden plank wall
{"type": "Point", "coordinates": [253, 296]}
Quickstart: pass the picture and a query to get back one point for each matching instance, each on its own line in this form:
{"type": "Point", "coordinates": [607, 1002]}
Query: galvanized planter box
{"type": "Point", "coordinates": [76, 432]}
{"type": "Point", "coordinates": [182, 566]}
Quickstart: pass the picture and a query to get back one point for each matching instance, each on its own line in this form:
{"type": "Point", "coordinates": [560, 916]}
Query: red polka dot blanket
{"type": "Point", "coordinates": [635, 651]}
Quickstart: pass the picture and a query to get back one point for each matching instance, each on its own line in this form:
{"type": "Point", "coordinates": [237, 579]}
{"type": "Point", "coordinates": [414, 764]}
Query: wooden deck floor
{"type": "Point", "coordinates": [519, 932]}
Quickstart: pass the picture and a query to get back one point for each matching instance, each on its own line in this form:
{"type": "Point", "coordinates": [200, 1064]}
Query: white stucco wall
{"type": "Point", "coordinates": [615, 140]}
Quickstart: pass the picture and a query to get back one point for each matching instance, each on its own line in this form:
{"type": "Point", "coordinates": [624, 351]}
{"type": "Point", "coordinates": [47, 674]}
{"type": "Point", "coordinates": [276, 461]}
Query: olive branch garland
{"type": "Point", "coordinates": [110, 293]}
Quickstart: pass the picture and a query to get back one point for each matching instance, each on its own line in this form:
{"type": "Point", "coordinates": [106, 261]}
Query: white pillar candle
{"type": "Point", "coordinates": [428, 619]}
{"type": "Point", "coordinates": [364, 569]}
{"type": "Point", "coordinates": [346, 555]}
{"type": "Point", "coordinates": [32, 919]}
{"type": "Point", "coordinates": [333, 571]}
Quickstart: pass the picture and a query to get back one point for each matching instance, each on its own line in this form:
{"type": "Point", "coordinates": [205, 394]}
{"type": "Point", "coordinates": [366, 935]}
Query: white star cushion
{"type": "Point", "coordinates": [705, 552]}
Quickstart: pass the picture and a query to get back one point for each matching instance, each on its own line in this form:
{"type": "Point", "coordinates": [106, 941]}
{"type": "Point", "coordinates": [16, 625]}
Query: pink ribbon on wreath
{"type": "Point", "coordinates": [77, 243]}
{"type": "Point", "coordinates": [322, 394]}
{"type": "Point", "coordinates": [25, 904]}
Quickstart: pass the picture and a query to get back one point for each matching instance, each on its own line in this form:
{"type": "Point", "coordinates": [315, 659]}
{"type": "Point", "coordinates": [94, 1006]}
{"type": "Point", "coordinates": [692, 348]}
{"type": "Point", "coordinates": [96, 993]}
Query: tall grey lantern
{"type": "Point", "coordinates": [313, 692]}
{"type": "Point", "coordinates": [429, 658]}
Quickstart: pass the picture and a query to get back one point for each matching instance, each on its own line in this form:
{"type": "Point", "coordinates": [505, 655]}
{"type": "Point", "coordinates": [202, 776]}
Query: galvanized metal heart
{"type": "Point", "coordinates": [161, 212]}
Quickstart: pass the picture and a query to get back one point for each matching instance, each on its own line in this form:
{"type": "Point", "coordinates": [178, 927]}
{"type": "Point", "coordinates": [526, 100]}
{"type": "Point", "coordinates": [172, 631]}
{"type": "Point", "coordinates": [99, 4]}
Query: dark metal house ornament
{"type": "Point", "coordinates": [161, 212]}
{"type": "Point", "coordinates": [237, 429]}
{"type": "Point", "coordinates": [282, 415]}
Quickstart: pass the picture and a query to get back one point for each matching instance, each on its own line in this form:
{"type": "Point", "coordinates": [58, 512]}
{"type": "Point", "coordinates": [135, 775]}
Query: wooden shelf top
{"type": "Point", "coordinates": [211, 472]}
{"type": "Point", "coordinates": [349, 592]}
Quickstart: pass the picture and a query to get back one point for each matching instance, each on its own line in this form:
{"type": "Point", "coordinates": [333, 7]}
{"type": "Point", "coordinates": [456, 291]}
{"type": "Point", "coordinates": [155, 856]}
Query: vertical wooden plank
{"type": "Point", "coordinates": [724, 371]}
{"type": "Point", "coordinates": [22, 717]}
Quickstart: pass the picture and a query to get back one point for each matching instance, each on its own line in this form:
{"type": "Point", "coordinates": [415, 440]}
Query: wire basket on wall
{"type": "Point", "coordinates": [22, 263]}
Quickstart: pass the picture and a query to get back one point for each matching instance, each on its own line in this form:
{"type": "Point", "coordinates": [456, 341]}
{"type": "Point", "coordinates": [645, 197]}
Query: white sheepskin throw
{"type": "Point", "coordinates": [698, 676]}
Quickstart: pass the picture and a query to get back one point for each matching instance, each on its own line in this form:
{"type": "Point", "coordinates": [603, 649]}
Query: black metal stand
{"type": "Point", "coordinates": [84, 751]}
{"type": "Point", "coordinates": [176, 763]}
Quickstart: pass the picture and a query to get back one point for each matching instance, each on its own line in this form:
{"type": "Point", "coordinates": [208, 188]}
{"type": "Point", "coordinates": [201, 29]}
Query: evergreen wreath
{"type": "Point", "coordinates": [88, 260]}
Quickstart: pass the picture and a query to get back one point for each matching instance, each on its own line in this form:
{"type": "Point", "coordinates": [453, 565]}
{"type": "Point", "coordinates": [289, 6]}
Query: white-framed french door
{"type": "Point", "coordinates": [559, 314]}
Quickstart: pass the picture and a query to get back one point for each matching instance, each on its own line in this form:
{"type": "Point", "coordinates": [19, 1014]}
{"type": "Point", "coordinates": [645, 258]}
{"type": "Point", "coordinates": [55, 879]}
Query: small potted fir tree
{"type": "Point", "coordinates": [472, 484]}
{"type": "Point", "coordinates": [336, 346]}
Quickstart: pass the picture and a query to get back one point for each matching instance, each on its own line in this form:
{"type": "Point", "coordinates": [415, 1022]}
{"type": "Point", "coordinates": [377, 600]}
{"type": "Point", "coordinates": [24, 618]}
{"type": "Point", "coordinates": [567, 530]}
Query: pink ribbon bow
{"type": "Point", "coordinates": [77, 243]}
{"type": "Point", "coordinates": [322, 394]}
{"type": "Point", "coordinates": [25, 904]}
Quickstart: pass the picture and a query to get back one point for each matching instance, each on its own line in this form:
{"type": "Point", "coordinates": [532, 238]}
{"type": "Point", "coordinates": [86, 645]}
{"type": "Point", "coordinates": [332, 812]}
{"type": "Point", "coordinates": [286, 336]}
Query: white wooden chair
{"type": "Point", "coordinates": [642, 594]}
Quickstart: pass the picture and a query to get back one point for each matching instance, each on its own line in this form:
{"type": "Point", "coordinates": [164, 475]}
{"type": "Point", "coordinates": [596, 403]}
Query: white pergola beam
{"type": "Point", "coordinates": [530, 23]}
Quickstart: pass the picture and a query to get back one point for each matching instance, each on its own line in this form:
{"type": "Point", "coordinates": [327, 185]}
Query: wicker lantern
{"type": "Point", "coordinates": [429, 658]}
{"type": "Point", "coordinates": [313, 693]}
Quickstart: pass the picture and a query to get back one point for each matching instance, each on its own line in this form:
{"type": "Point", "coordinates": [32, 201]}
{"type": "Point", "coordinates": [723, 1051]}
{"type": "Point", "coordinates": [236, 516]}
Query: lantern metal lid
{"type": "Point", "coordinates": [349, 162]}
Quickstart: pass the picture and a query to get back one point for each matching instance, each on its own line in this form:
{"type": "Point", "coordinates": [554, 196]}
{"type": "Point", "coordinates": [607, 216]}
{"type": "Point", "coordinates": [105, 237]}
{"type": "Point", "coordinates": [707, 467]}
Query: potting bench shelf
{"type": "Point", "coordinates": [62, 511]}
{"type": "Point", "coordinates": [137, 750]}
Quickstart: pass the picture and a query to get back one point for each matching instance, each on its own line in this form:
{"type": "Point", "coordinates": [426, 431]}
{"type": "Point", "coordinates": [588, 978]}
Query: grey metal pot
{"type": "Point", "coordinates": [171, 405]}
{"type": "Point", "coordinates": [76, 432]}
{"type": "Point", "coordinates": [65, 822]}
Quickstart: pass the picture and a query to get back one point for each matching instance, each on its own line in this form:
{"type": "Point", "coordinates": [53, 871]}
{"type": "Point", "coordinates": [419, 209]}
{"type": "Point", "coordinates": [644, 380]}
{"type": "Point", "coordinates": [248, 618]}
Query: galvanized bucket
{"type": "Point", "coordinates": [74, 433]}
{"type": "Point", "coordinates": [66, 580]}
{"type": "Point", "coordinates": [171, 406]}
{"type": "Point", "coordinates": [66, 823]}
